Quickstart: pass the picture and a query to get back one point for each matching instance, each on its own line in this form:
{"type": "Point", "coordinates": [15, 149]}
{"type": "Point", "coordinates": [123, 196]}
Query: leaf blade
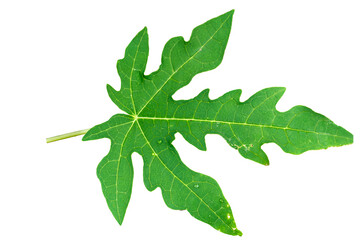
{"type": "Point", "coordinates": [131, 70]}
{"type": "Point", "coordinates": [246, 126]}
{"type": "Point", "coordinates": [115, 171]}
{"type": "Point", "coordinates": [181, 60]}
{"type": "Point", "coordinates": [182, 188]}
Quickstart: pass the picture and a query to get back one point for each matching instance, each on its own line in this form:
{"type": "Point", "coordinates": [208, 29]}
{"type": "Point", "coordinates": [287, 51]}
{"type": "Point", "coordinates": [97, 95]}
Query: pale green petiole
{"type": "Point", "coordinates": [66, 135]}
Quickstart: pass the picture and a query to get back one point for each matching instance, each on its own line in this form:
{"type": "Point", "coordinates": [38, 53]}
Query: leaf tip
{"type": "Point", "coordinates": [229, 14]}
{"type": "Point", "coordinates": [238, 232]}
{"type": "Point", "coordinates": [254, 153]}
{"type": "Point", "coordinates": [85, 138]}
{"type": "Point", "coordinates": [203, 95]}
{"type": "Point", "coordinates": [280, 90]}
{"type": "Point", "coordinates": [144, 30]}
{"type": "Point", "coordinates": [120, 220]}
{"type": "Point", "coordinates": [118, 217]}
{"type": "Point", "coordinates": [88, 135]}
{"type": "Point", "coordinates": [345, 137]}
{"type": "Point", "coordinates": [109, 88]}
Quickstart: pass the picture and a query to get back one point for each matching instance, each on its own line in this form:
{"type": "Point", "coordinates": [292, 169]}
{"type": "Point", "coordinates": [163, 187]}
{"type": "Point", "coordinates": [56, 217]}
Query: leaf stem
{"type": "Point", "coordinates": [66, 135]}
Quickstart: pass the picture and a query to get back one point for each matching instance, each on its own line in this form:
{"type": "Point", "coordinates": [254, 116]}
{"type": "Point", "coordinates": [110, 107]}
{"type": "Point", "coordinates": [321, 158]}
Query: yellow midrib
{"type": "Point", "coordinates": [239, 123]}
{"type": "Point", "coordinates": [117, 170]}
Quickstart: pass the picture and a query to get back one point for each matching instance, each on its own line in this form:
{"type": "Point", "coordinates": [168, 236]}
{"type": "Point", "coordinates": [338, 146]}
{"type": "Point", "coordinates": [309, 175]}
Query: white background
{"type": "Point", "coordinates": [57, 57]}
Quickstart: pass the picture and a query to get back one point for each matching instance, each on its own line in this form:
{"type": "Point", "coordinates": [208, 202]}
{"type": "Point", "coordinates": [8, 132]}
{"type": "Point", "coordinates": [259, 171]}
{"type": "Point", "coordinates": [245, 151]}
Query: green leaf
{"type": "Point", "coordinates": [154, 117]}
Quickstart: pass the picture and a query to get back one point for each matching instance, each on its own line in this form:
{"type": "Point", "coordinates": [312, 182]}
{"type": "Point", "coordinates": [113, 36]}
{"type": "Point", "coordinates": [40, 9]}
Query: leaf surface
{"type": "Point", "coordinates": [154, 117]}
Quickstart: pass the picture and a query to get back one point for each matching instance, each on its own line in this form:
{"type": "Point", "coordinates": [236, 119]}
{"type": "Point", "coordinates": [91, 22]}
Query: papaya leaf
{"type": "Point", "coordinates": [153, 117]}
